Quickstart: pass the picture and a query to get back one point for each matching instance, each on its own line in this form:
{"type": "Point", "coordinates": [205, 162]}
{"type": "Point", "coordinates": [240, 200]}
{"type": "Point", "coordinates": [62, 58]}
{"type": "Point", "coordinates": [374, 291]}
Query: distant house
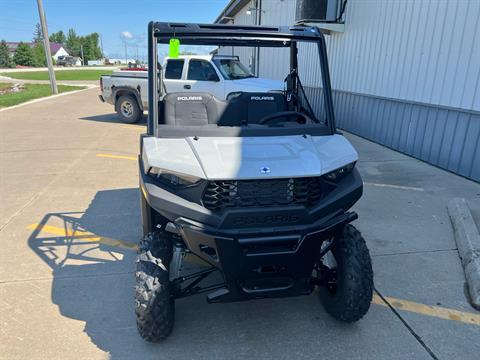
{"type": "Point", "coordinates": [55, 48]}
{"type": "Point", "coordinates": [58, 50]}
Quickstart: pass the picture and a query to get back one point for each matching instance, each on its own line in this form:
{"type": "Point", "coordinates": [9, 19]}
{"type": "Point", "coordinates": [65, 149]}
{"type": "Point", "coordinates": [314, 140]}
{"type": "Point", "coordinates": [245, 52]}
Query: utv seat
{"type": "Point", "coordinates": [184, 109]}
{"type": "Point", "coordinates": [200, 108]}
{"type": "Point", "coordinates": [255, 106]}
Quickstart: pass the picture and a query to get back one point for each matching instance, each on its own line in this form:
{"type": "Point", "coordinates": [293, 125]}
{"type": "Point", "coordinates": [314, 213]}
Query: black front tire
{"type": "Point", "coordinates": [128, 109]}
{"type": "Point", "coordinates": [350, 296]}
{"type": "Point", "coordinates": [154, 304]}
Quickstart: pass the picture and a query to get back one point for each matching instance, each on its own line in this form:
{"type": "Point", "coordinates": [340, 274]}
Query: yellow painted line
{"type": "Point", "coordinates": [87, 236]}
{"type": "Point", "coordinates": [117, 156]}
{"type": "Point", "coordinates": [82, 235]}
{"type": "Point", "coordinates": [428, 310]}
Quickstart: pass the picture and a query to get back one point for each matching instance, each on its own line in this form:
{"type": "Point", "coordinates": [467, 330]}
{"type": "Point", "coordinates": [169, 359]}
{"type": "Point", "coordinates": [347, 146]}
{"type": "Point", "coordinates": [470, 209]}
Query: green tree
{"type": "Point", "coordinates": [39, 55]}
{"type": "Point", "coordinates": [24, 55]}
{"type": "Point", "coordinates": [73, 43]}
{"type": "Point", "coordinates": [91, 48]}
{"type": "Point", "coordinates": [58, 37]}
{"type": "Point", "coordinates": [5, 59]}
{"type": "Point", "coordinates": [37, 33]}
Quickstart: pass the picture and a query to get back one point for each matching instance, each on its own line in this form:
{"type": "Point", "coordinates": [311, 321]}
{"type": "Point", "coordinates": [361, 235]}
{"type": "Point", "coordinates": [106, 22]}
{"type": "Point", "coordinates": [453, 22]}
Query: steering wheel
{"type": "Point", "coordinates": [287, 114]}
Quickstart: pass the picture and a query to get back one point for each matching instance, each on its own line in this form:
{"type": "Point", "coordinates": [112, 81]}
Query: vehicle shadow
{"type": "Point", "coordinates": [113, 118]}
{"type": "Point", "coordinates": [91, 255]}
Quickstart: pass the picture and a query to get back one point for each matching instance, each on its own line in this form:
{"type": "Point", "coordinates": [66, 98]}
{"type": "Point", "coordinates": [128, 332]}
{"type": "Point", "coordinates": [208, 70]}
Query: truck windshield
{"type": "Point", "coordinates": [232, 69]}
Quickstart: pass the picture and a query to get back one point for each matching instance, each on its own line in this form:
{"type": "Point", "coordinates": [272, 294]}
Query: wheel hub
{"type": "Point", "coordinates": [127, 109]}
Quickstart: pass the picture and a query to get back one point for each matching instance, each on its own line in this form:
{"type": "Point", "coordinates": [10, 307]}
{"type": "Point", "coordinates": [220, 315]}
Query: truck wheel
{"type": "Point", "coordinates": [154, 304]}
{"type": "Point", "coordinates": [128, 109]}
{"type": "Point", "coordinates": [348, 291]}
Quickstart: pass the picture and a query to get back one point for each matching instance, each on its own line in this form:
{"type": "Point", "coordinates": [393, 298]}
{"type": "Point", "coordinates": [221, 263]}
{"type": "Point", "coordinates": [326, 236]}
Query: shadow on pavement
{"type": "Point", "coordinates": [113, 118]}
{"type": "Point", "coordinates": [92, 269]}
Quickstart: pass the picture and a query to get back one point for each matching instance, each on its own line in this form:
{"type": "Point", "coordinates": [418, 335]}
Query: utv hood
{"type": "Point", "coordinates": [236, 158]}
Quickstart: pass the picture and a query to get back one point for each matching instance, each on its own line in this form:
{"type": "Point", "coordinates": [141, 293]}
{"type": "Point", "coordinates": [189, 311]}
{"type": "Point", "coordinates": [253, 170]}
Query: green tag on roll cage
{"type": "Point", "coordinates": [174, 48]}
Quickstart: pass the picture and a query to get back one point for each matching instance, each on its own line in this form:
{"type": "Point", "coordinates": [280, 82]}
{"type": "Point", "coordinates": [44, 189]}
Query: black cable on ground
{"type": "Point", "coordinates": [410, 329]}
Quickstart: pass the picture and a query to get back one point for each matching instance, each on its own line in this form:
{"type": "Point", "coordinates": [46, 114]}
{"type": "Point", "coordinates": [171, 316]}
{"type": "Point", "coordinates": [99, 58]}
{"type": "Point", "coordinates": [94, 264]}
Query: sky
{"type": "Point", "coordinates": [114, 20]}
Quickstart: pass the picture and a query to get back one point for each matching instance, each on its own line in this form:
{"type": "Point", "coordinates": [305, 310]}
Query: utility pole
{"type": "Point", "coordinates": [81, 51]}
{"type": "Point", "coordinates": [126, 58]}
{"type": "Point", "coordinates": [46, 44]}
{"type": "Point", "coordinates": [101, 45]}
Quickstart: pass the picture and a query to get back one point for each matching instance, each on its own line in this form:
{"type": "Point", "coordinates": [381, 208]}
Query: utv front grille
{"type": "Point", "coordinates": [223, 194]}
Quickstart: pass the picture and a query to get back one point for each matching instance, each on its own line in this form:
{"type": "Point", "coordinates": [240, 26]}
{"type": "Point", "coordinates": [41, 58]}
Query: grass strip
{"type": "Point", "coordinates": [30, 92]}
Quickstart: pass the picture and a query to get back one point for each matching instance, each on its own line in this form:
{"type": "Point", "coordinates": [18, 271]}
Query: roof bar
{"type": "Point", "coordinates": [243, 35]}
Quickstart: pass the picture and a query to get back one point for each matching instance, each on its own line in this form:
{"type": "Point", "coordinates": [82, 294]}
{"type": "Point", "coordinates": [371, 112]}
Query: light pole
{"type": "Point", "coordinates": [46, 45]}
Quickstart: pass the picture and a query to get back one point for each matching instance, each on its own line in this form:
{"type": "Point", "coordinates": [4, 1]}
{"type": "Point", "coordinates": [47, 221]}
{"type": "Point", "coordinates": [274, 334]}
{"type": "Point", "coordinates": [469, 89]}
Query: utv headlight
{"type": "Point", "coordinates": [339, 173]}
{"type": "Point", "coordinates": [173, 179]}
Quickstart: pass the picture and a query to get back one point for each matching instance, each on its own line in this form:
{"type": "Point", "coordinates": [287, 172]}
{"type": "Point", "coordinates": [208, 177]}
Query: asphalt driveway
{"type": "Point", "coordinates": [69, 223]}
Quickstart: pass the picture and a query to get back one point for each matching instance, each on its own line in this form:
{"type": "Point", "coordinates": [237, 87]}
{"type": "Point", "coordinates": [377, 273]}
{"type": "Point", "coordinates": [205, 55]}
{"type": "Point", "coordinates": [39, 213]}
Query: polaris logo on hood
{"type": "Point", "coordinates": [262, 98]}
{"type": "Point", "coordinates": [189, 98]}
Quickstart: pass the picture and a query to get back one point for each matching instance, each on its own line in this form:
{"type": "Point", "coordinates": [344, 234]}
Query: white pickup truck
{"type": "Point", "coordinates": [216, 74]}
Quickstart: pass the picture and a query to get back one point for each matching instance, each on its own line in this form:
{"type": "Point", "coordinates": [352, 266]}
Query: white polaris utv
{"type": "Point", "coordinates": [257, 186]}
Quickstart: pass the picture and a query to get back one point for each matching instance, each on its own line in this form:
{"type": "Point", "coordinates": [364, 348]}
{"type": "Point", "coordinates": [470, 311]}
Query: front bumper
{"type": "Point", "coordinates": [277, 265]}
{"type": "Point", "coordinates": [261, 252]}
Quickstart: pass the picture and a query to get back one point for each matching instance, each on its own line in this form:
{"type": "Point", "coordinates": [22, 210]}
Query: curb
{"type": "Point", "coordinates": [467, 238]}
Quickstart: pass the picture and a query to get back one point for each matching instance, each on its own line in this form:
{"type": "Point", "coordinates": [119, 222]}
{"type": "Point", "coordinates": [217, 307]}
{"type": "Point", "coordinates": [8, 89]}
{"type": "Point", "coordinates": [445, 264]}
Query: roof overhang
{"type": "Point", "coordinates": [232, 9]}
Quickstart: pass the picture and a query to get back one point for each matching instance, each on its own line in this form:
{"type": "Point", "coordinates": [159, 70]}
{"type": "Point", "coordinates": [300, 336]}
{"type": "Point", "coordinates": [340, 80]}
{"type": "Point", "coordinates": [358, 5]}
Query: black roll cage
{"type": "Point", "coordinates": [234, 35]}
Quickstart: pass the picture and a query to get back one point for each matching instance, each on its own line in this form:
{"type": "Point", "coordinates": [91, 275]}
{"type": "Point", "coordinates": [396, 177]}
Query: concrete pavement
{"type": "Point", "coordinates": [69, 220]}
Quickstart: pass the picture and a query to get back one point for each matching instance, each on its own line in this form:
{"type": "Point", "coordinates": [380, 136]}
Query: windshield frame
{"type": "Point", "coordinates": [238, 36]}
